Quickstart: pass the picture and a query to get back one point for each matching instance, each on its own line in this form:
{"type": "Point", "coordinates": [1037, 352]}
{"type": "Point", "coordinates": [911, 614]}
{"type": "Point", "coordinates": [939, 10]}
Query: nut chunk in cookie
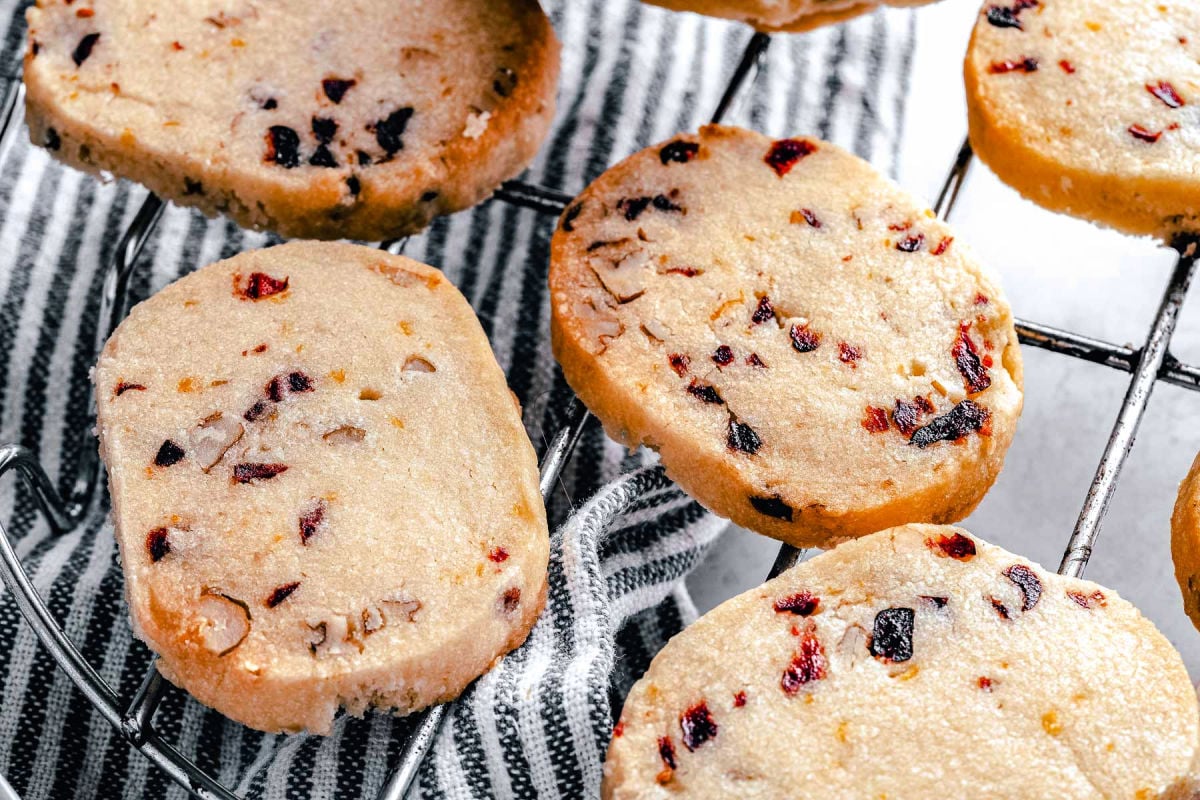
{"type": "Point", "coordinates": [1092, 108]}
{"type": "Point", "coordinates": [297, 531]}
{"type": "Point", "coordinates": [360, 120]}
{"type": "Point", "coordinates": [915, 663]}
{"type": "Point", "coordinates": [813, 354]}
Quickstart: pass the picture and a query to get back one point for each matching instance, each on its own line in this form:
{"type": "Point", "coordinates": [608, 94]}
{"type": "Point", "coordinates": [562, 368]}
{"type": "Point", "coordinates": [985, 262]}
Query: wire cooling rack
{"type": "Point", "coordinates": [135, 720]}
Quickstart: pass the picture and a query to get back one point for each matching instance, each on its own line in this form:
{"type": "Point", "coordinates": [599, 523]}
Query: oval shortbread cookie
{"type": "Point", "coordinates": [321, 486]}
{"type": "Point", "coordinates": [784, 15]}
{"type": "Point", "coordinates": [813, 355]}
{"type": "Point", "coordinates": [1092, 107]}
{"type": "Point", "coordinates": [362, 120]}
{"type": "Point", "coordinates": [918, 662]}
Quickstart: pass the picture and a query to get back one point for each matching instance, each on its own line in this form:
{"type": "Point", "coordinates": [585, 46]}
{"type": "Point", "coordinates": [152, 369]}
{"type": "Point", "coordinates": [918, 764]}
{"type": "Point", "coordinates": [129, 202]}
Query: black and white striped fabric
{"type": "Point", "coordinates": [538, 724]}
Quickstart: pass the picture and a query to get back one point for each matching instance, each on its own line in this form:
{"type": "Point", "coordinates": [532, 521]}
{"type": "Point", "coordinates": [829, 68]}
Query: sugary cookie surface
{"type": "Point", "coordinates": [359, 120]}
{"type": "Point", "coordinates": [1092, 107]}
{"type": "Point", "coordinates": [784, 15]}
{"type": "Point", "coordinates": [811, 352]}
{"type": "Point", "coordinates": [918, 662]}
{"type": "Point", "coordinates": [321, 485]}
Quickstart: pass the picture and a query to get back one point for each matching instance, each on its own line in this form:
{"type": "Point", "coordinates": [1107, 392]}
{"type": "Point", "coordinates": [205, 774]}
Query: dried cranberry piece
{"type": "Point", "coordinates": [697, 725]}
{"type": "Point", "coordinates": [310, 521]}
{"type": "Point", "coordinates": [687, 272]}
{"type": "Point", "coordinates": [283, 146]}
{"type": "Point", "coordinates": [985, 683]}
{"type": "Point", "coordinates": [804, 339]}
{"type": "Point", "coordinates": [892, 636]}
{"type": "Point", "coordinates": [53, 140]}
{"type": "Point", "coordinates": [259, 285]}
{"type": "Point", "coordinates": [1088, 601]}
{"type": "Point", "coordinates": [1166, 92]}
{"type": "Point", "coordinates": [753, 360]}
{"type": "Point", "coordinates": [924, 404]}
{"type": "Point", "coordinates": [569, 217]}
{"type": "Point", "coordinates": [807, 665]}
{"type": "Point", "coordinates": [619, 729]}
{"type": "Point", "coordinates": [810, 218]}
{"type": "Point", "coordinates": [324, 129]}
{"type": "Point", "coordinates": [849, 354]}
{"type": "Point", "coordinates": [943, 245]}
{"type": "Point", "coordinates": [299, 382]}
{"type": "Point", "coordinates": [911, 244]}
{"type": "Point", "coordinates": [282, 593]}
{"type": "Point", "coordinates": [1027, 581]}
{"type": "Point", "coordinates": [1003, 17]}
{"type": "Point", "coordinates": [742, 438]}
{"type": "Point", "coordinates": [679, 362]}
{"type": "Point", "coordinates": [322, 157]}
{"type": "Point", "coordinates": [1067, 67]}
{"type": "Point", "coordinates": [705, 392]}
{"type": "Point", "coordinates": [256, 471]}
{"type": "Point", "coordinates": [1000, 608]}
{"type": "Point", "coordinates": [876, 420]}
{"type": "Point", "coordinates": [510, 600]}
{"type": "Point", "coordinates": [956, 546]}
{"type": "Point", "coordinates": [739, 699]}
{"type": "Point", "coordinates": [966, 358]}
{"type": "Point", "coordinates": [336, 88]}
{"type": "Point", "coordinates": [763, 311]}
{"type": "Point", "coordinates": [906, 416]}
{"type": "Point", "coordinates": [723, 356]}
{"type": "Point", "coordinates": [633, 207]}
{"type": "Point", "coordinates": [257, 411]}
{"type": "Point", "coordinates": [498, 555]}
{"type": "Point", "coordinates": [666, 751]}
{"type": "Point", "coordinates": [122, 387]}
{"type": "Point", "coordinates": [191, 187]}
{"type": "Point", "coordinates": [168, 454]}
{"type": "Point", "coordinates": [966, 417]}
{"type": "Point", "coordinates": [389, 131]}
{"type": "Point", "coordinates": [935, 601]}
{"type": "Point", "coordinates": [157, 544]}
{"type": "Point", "coordinates": [1022, 64]}
{"type": "Point", "coordinates": [772, 507]}
{"type": "Point", "coordinates": [1145, 134]}
{"type": "Point", "coordinates": [679, 151]}
{"type": "Point", "coordinates": [802, 604]}
{"type": "Point", "coordinates": [784, 154]}
{"type": "Point", "coordinates": [84, 48]}
{"type": "Point", "coordinates": [270, 104]}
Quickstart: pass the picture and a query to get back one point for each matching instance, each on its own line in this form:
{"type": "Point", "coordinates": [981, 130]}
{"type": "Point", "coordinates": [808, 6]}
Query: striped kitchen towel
{"type": "Point", "coordinates": [538, 724]}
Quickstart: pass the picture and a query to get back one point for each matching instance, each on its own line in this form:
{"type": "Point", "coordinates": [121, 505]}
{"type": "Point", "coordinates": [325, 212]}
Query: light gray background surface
{"type": "Point", "coordinates": [1062, 272]}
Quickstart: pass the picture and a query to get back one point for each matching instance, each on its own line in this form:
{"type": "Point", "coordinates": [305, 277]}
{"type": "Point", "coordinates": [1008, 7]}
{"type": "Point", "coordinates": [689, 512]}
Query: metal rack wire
{"type": "Point", "coordinates": [135, 721]}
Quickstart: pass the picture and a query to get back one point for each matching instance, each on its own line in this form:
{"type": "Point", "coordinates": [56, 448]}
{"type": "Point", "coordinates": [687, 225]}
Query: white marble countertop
{"type": "Point", "coordinates": [1066, 273]}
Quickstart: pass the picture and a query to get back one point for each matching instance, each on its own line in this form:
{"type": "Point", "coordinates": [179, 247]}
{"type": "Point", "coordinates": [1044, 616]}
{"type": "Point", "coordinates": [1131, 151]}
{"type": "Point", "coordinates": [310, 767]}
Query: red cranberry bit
{"type": "Point", "coordinates": [943, 245]}
{"type": "Point", "coordinates": [1092, 600]}
{"type": "Point", "coordinates": [763, 311]}
{"type": "Point", "coordinates": [772, 507]}
{"type": "Point", "coordinates": [679, 363]}
{"type": "Point", "coordinates": [981, 299]}
{"type": "Point", "coordinates": [900, 226]}
{"type": "Point", "coordinates": [956, 546]}
{"type": "Point", "coordinates": [255, 471]}
{"type": "Point", "coordinates": [935, 601]}
{"type": "Point", "coordinates": [122, 387]}
{"type": "Point", "coordinates": [911, 244]}
{"type": "Point", "coordinates": [876, 420]}
{"type": "Point", "coordinates": [511, 600]}
{"type": "Point", "coordinates": [849, 354]}
{"type": "Point", "coordinates": [802, 604]}
{"type": "Point", "coordinates": [808, 664]}
{"type": "Point", "coordinates": [498, 555]}
{"type": "Point", "coordinates": [810, 218]}
{"type": "Point", "coordinates": [784, 154]}
{"type": "Point", "coordinates": [704, 392]}
{"type": "Point", "coordinates": [1000, 608]}
{"type": "Point", "coordinates": [679, 151]}
{"type": "Point", "coordinates": [739, 700]}
{"type": "Point", "coordinates": [742, 438]}
{"type": "Point", "coordinates": [1166, 92]}
{"type": "Point", "coordinates": [282, 593]}
{"type": "Point", "coordinates": [1024, 64]}
{"type": "Point", "coordinates": [389, 131]}
{"type": "Point", "coordinates": [804, 339]}
{"type": "Point", "coordinates": [569, 217]}
{"type": "Point", "coordinates": [1146, 135]}
{"type": "Point", "coordinates": [283, 147]}
{"type": "Point", "coordinates": [924, 404]}
{"type": "Point", "coordinates": [311, 520]}
{"type": "Point", "coordinates": [697, 725]}
{"type": "Point", "coordinates": [966, 417]}
{"type": "Point", "coordinates": [891, 638]}
{"type": "Point", "coordinates": [632, 207]}
{"type": "Point", "coordinates": [336, 88]}
{"type": "Point", "coordinates": [1027, 581]}
{"type": "Point", "coordinates": [753, 360]}
{"type": "Point", "coordinates": [966, 358]}
{"type": "Point", "coordinates": [619, 729]}
{"type": "Point", "coordinates": [723, 356]}
{"type": "Point", "coordinates": [985, 684]}
{"type": "Point", "coordinates": [687, 272]}
{"type": "Point", "coordinates": [666, 751]}
{"type": "Point", "coordinates": [168, 454]}
{"type": "Point", "coordinates": [259, 285]}
{"type": "Point", "coordinates": [1067, 67]}
{"type": "Point", "coordinates": [157, 544]}
{"type": "Point", "coordinates": [84, 48]}
{"type": "Point", "coordinates": [257, 411]}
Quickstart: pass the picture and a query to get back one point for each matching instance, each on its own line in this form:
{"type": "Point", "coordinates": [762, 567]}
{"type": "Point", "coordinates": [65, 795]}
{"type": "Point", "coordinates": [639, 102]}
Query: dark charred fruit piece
{"type": "Point", "coordinates": [911, 244]}
{"type": "Point", "coordinates": [1027, 581]}
{"type": "Point", "coordinates": [510, 601]}
{"type": "Point", "coordinates": [283, 146]}
{"type": "Point", "coordinates": [1165, 92]}
{"type": "Point", "coordinates": [966, 358]}
{"type": "Point", "coordinates": [679, 362]}
{"type": "Point", "coordinates": [389, 131]}
{"type": "Point", "coordinates": [956, 546]}
{"type": "Point", "coordinates": [52, 141]}
{"type": "Point", "coordinates": [335, 88]}
{"type": "Point", "coordinates": [157, 544]}
{"type": "Point", "coordinates": [123, 387]}
{"type": "Point", "coordinates": [353, 185]}
{"type": "Point", "coordinates": [322, 157]}
{"type": "Point", "coordinates": [257, 411]}
{"type": "Point", "coordinates": [299, 382]}
{"type": "Point", "coordinates": [808, 664]}
{"type": "Point", "coordinates": [773, 507]}
{"type": "Point", "coordinates": [763, 311]}
{"type": "Point", "coordinates": [697, 726]}
{"type": "Point", "coordinates": [666, 751]}
{"type": "Point", "coordinates": [281, 593]}
{"type": "Point", "coordinates": [906, 416]}
{"type": "Point", "coordinates": [168, 454]}
{"type": "Point", "coordinates": [876, 420]}
{"type": "Point", "coordinates": [84, 49]}
{"type": "Point", "coordinates": [1003, 17]}
{"type": "Point", "coordinates": [723, 356]}
{"type": "Point", "coordinates": [892, 637]}
{"type": "Point", "coordinates": [742, 438]}
{"type": "Point", "coordinates": [251, 471]}
{"type": "Point", "coordinates": [569, 217]}
{"type": "Point", "coordinates": [505, 81]}
{"type": "Point", "coordinates": [679, 151]}
{"type": "Point", "coordinates": [804, 339]}
{"type": "Point", "coordinates": [964, 418]}
{"type": "Point", "coordinates": [802, 604]}
{"type": "Point", "coordinates": [311, 521]}
{"type": "Point", "coordinates": [1144, 134]}
{"type": "Point", "coordinates": [191, 187]}
{"type": "Point", "coordinates": [784, 154]}
{"type": "Point", "coordinates": [324, 129]}
{"type": "Point", "coordinates": [259, 285]}
{"type": "Point", "coordinates": [705, 392]}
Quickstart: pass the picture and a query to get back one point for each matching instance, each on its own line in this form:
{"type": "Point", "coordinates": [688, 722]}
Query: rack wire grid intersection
{"type": "Point", "coordinates": [1147, 365]}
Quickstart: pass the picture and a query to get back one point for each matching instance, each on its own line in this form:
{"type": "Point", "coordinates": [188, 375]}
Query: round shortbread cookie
{"type": "Point", "coordinates": [361, 121]}
{"type": "Point", "coordinates": [1092, 107]}
{"type": "Point", "coordinates": [915, 663]}
{"type": "Point", "coordinates": [321, 486]}
{"type": "Point", "coordinates": [784, 15]}
{"type": "Point", "coordinates": [1185, 541]}
{"type": "Point", "coordinates": [812, 353]}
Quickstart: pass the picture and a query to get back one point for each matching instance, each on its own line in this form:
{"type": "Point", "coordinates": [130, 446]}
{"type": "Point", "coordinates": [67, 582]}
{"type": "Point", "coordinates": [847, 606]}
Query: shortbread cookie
{"type": "Point", "coordinates": [912, 664]}
{"type": "Point", "coordinates": [361, 120]}
{"type": "Point", "coordinates": [321, 486]}
{"type": "Point", "coordinates": [1092, 107]}
{"type": "Point", "coordinates": [784, 15]}
{"type": "Point", "coordinates": [811, 352]}
{"type": "Point", "coordinates": [1185, 541]}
